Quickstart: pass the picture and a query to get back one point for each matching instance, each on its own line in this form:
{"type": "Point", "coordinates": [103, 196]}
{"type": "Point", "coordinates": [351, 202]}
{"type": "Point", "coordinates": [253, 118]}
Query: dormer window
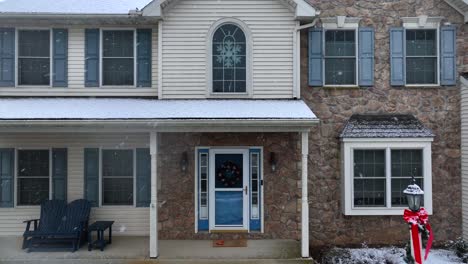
{"type": "Point", "coordinates": [229, 59]}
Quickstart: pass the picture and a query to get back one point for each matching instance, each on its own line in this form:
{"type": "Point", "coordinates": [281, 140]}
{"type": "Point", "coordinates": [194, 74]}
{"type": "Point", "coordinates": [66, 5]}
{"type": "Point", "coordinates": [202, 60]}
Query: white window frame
{"type": "Point", "coordinates": [101, 59]}
{"type": "Point", "coordinates": [341, 23]}
{"type": "Point", "coordinates": [248, 59]}
{"type": "Point", "coordinates": [17, 57]}
{"type": "Point", "coordinates": [423, 22]}
{"type": "Point", "coordinates": [101, 198]}
{"type": "Point", "coordinates": [347, 186]}
{"type": "Point", "coordinates": [16, 162]}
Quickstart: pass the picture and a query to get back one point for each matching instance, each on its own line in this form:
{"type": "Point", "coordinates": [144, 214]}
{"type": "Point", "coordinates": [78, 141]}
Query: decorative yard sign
{"type": "Point", "coordinates": [418, 219]}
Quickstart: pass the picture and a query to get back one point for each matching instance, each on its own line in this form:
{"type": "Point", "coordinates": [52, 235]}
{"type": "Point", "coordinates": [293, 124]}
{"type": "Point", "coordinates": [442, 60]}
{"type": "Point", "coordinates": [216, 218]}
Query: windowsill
{"type": "Point", "coordinates": [423, 86]}
{"type": "Point", "coordinates": [341, 86]}
{"type": "Point", "coordinates": [377, 211]}
{"type": "Point", "coordinates": [27, 207]}
{"type": "Point", "coordinates": [229, 95]}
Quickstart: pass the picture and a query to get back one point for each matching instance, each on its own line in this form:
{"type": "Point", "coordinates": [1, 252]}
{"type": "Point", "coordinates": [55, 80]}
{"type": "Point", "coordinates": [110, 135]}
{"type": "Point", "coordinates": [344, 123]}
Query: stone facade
{"type": "Point", "coordinates": [438, 108]}
{"type": "Point", "coordinates": [281, 188]}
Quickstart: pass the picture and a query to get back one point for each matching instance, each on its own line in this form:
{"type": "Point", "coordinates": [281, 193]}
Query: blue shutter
{"type": "Point", "coordinates": [397, 56]}
{"type": "Point", "coordinates": [315, 57]}
{"type": "Point", "coordinates": [448, 55]}
{"type": "Point", "coordinates": [7, 57]}
{"type": "Point", "coordinates": [203, 222]}
{"type": "Point", "coordinates": [7, 165]}
{"type": "Point", "coordinates": [144, 58]}
{"type": "Point", "coordinates": [366, 56]}
{"type": "Point", "coordinates": [143, 177]}
{"type": "Point", "coordinates": [91, 175]}
{"type": "Point", "coordinates": [59, 174]}
{"type": "Point", "coordinates": [92, 58]}
{"type": "Point", "coordinates": [60, 57]}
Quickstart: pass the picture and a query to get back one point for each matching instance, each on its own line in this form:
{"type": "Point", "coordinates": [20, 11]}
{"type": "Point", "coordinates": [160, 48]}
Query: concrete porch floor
{"type": "Point", "coordinates": [134, 250]}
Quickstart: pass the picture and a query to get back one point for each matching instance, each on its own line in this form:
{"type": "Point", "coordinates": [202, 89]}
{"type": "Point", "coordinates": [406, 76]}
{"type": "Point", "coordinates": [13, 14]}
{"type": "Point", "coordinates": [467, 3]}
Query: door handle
{"type": "Point", "coordinates": [246, 190]}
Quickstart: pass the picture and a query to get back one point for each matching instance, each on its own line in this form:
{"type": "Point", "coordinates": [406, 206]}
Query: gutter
{"type": "Point", "coordinates": [297, 56]}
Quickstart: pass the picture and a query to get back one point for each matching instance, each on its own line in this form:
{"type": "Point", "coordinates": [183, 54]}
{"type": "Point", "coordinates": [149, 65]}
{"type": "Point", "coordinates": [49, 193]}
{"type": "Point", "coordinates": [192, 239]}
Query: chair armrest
{"type": "Point", "coordinates": [28, 224]}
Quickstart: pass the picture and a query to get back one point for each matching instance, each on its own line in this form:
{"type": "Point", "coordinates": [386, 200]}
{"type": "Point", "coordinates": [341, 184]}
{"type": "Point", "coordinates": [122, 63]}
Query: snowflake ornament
{"type": "Point", "coordinates": [229, 54]}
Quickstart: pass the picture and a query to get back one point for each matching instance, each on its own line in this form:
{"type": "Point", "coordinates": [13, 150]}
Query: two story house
{"type": "Point", "coordinates": [227, 119]}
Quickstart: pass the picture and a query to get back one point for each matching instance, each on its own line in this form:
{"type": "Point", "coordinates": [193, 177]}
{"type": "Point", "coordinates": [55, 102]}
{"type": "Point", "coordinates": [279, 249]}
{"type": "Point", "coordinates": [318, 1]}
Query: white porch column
{"type": "Point", "coordinates": [154, 252]}
{"type": "Point", "coordinates": [305, 197]}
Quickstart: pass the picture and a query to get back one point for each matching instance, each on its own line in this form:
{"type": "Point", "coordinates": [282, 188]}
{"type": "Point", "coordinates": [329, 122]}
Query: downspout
{"type": "Point", "coordinates": [297, 57]}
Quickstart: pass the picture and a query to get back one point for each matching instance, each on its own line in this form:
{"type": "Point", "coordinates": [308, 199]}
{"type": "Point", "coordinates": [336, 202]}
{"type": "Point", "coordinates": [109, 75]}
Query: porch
{"type": "Point", "coordinates": [133, 249]}
{"type": "Point", "coordinates": [142, 166]}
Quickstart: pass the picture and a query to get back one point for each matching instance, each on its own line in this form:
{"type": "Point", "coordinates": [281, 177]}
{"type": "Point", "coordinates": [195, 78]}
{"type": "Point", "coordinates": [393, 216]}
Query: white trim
{"type": "Point", "coordinates": [101, 57]}
{"type": "Point", "coordinates": [347, 174]}
{"type": "Point", "coordinates": [421, 22]}
{"type": "Point", "coordinates": [296, 61]}
{"type": "Point", "coordinates": [340, 22]}
{"type": "Point", "coordinates": [51, 55]}
{"type": "Point", "coordinates": [154, 250]}
{"type": "Point", "coordinates": [160, 59]}
{"type": "Point", "coordinates": [248, 59]}
{"type": "Point", "coordinates": [305, 195]}
{"type": "Point", "coordinates": [15, 174]}
{"type": "Point", "coordinates": [356, 55]}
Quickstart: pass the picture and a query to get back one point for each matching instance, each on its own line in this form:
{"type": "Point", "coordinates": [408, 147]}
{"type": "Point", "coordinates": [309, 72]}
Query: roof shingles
{"type": "Point", "coordinates": [385, 126]}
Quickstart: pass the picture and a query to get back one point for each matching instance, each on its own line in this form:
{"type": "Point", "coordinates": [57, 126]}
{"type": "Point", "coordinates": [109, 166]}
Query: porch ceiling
{"type": "Point", "coordinates": [91, 114]}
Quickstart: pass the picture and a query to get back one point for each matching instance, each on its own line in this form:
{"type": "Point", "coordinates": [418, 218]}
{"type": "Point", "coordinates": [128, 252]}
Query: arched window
{"type": "Point", "coordinates": [229, 59]}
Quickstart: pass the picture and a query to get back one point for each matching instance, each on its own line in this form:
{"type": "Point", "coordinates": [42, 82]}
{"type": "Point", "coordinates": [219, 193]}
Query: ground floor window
{"type": "Point", "coordinates": [33, 181]}
{"type": "Point", "coordinates": [376, 173]}
{"type": "Point", "coordinates": [118, 176]}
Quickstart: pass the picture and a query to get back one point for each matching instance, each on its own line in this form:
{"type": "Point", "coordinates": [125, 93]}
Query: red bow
{"type": "Point", "coordinates": [416, 219]}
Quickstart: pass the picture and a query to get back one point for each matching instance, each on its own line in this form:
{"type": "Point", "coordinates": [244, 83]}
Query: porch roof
{"type": "Point", "coordinates": [151, 113]}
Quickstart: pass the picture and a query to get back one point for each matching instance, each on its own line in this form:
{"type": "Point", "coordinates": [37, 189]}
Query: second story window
{"type": "Point", "coordinates": [421, 56]}
{"type": "Point", "coordinates": [34, 57]}
{"type": "Point", "coordinates": [340, 57]}
{"type": "Point", "coordinates": [118, 57]}
{"type": "Point", "coordinates": [229, 59]}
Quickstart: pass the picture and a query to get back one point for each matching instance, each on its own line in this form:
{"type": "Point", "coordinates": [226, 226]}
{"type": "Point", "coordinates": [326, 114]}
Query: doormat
{"type": "Point", "coordinates": [230, 243]}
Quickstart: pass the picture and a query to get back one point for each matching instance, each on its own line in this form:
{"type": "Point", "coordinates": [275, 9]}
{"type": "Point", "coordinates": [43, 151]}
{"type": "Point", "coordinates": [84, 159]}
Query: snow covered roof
{"type": "Point", "coordinates": [98, 7]}
{"type": "Point", "coordinates": [111, 109]}
{"type": "Point", "coordinates": [385, 126]}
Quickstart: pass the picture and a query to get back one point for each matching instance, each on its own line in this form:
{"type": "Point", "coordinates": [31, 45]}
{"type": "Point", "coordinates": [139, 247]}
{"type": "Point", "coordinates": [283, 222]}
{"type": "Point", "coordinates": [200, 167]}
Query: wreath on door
{"type": "Point", "coordinates": [229, 174]}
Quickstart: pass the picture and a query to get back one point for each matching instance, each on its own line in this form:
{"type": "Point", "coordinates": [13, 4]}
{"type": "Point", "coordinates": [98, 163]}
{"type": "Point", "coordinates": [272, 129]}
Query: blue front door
{"type": "Point", "coordinates": [229, 181]}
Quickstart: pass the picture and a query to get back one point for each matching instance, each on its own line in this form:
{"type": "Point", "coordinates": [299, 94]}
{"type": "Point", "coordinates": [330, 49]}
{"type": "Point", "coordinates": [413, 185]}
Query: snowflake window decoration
{"type": "Point", "coordinates": [229, 62]}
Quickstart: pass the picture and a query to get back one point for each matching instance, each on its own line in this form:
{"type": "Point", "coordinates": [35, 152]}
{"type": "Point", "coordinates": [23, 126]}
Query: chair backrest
{"type": "Point", "coordinates": [77, 212]}
{"type": "Point", "coordinates": [52, 213]}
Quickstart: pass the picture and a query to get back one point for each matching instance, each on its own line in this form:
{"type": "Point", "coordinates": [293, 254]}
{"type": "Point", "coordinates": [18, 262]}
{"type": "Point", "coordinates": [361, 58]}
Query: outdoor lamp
{"type": "Point", "coordinates": [414, 195]}
{"type": "Point", "coordinates": [273, 161]}
{"type": "Point", "coordinates": [184, 162]}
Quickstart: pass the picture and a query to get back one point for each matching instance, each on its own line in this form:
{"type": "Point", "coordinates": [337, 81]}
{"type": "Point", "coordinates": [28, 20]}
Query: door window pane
{"type": "Point", "coordinates": [369, 178]}
{"type": "Point", "coordinates": [340, 57]}
{"type": "Point", "coordinates": [118, 54]}
{"type": "Point", "coordinates": [229, 171]}
{"type": "Point", "coordinates": [33, 57]}
{"type": "Point", "coordinates": [405, 164]}
{"type": "Point", "coordinates": [229, 60]}
{"type": "Point", "coordinates": [33, 176]}
{"type": "Point", "coordinates": [118, 177]}
{"type": "Point", "coordinates": [421, 56]}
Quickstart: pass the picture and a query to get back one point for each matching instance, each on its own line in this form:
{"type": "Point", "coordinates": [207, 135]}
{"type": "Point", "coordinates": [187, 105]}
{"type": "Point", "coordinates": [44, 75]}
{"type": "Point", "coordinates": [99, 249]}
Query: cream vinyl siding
{"type": "Point", "coordinates": [187, 25]}
{"type": "Point", "coordinates": [128, 220]}
{"type": "Point", "coordinates": [464, 149]}
{"type": "Point", "coordinates": [76, 71]}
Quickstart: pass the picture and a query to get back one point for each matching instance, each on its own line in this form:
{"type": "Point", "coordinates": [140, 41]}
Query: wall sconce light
{"type": "Point", "coordinates": [273, 161]}
{"type": "Point", "coordinates": [184, 162]}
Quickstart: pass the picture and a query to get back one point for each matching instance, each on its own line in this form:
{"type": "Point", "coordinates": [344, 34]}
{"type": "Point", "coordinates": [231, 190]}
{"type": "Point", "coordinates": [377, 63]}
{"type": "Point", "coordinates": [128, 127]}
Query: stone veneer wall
{"type": "Point", "coordinates": [438, 108]}
{"type": "Point", "coordinates": [281, 188]}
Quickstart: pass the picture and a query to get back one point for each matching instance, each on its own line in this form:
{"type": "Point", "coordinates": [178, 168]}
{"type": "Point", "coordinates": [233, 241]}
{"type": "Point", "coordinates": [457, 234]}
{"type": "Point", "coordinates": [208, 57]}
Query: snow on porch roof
{"type": "Point", "coordinates": [100, 7]}
{"type": "Point", "coordinates": [114, 109]}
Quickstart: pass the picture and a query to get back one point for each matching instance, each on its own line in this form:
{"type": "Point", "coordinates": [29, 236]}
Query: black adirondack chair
{"type": "Point", "coordinates": [59, 223]}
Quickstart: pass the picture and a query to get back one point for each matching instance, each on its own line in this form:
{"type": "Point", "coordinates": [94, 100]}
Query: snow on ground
{"type": "Point", "coordinates": [386, 255]}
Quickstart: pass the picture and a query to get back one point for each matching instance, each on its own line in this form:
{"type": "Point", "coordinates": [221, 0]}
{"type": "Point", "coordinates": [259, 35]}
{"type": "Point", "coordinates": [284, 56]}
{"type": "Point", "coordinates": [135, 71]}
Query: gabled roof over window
{"type": "Point", "coordinates": [461, 6]}
{"type": "Point", "coordinates": [57, 7]}
{"type": "Point", "coordinates": [385, 126]}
